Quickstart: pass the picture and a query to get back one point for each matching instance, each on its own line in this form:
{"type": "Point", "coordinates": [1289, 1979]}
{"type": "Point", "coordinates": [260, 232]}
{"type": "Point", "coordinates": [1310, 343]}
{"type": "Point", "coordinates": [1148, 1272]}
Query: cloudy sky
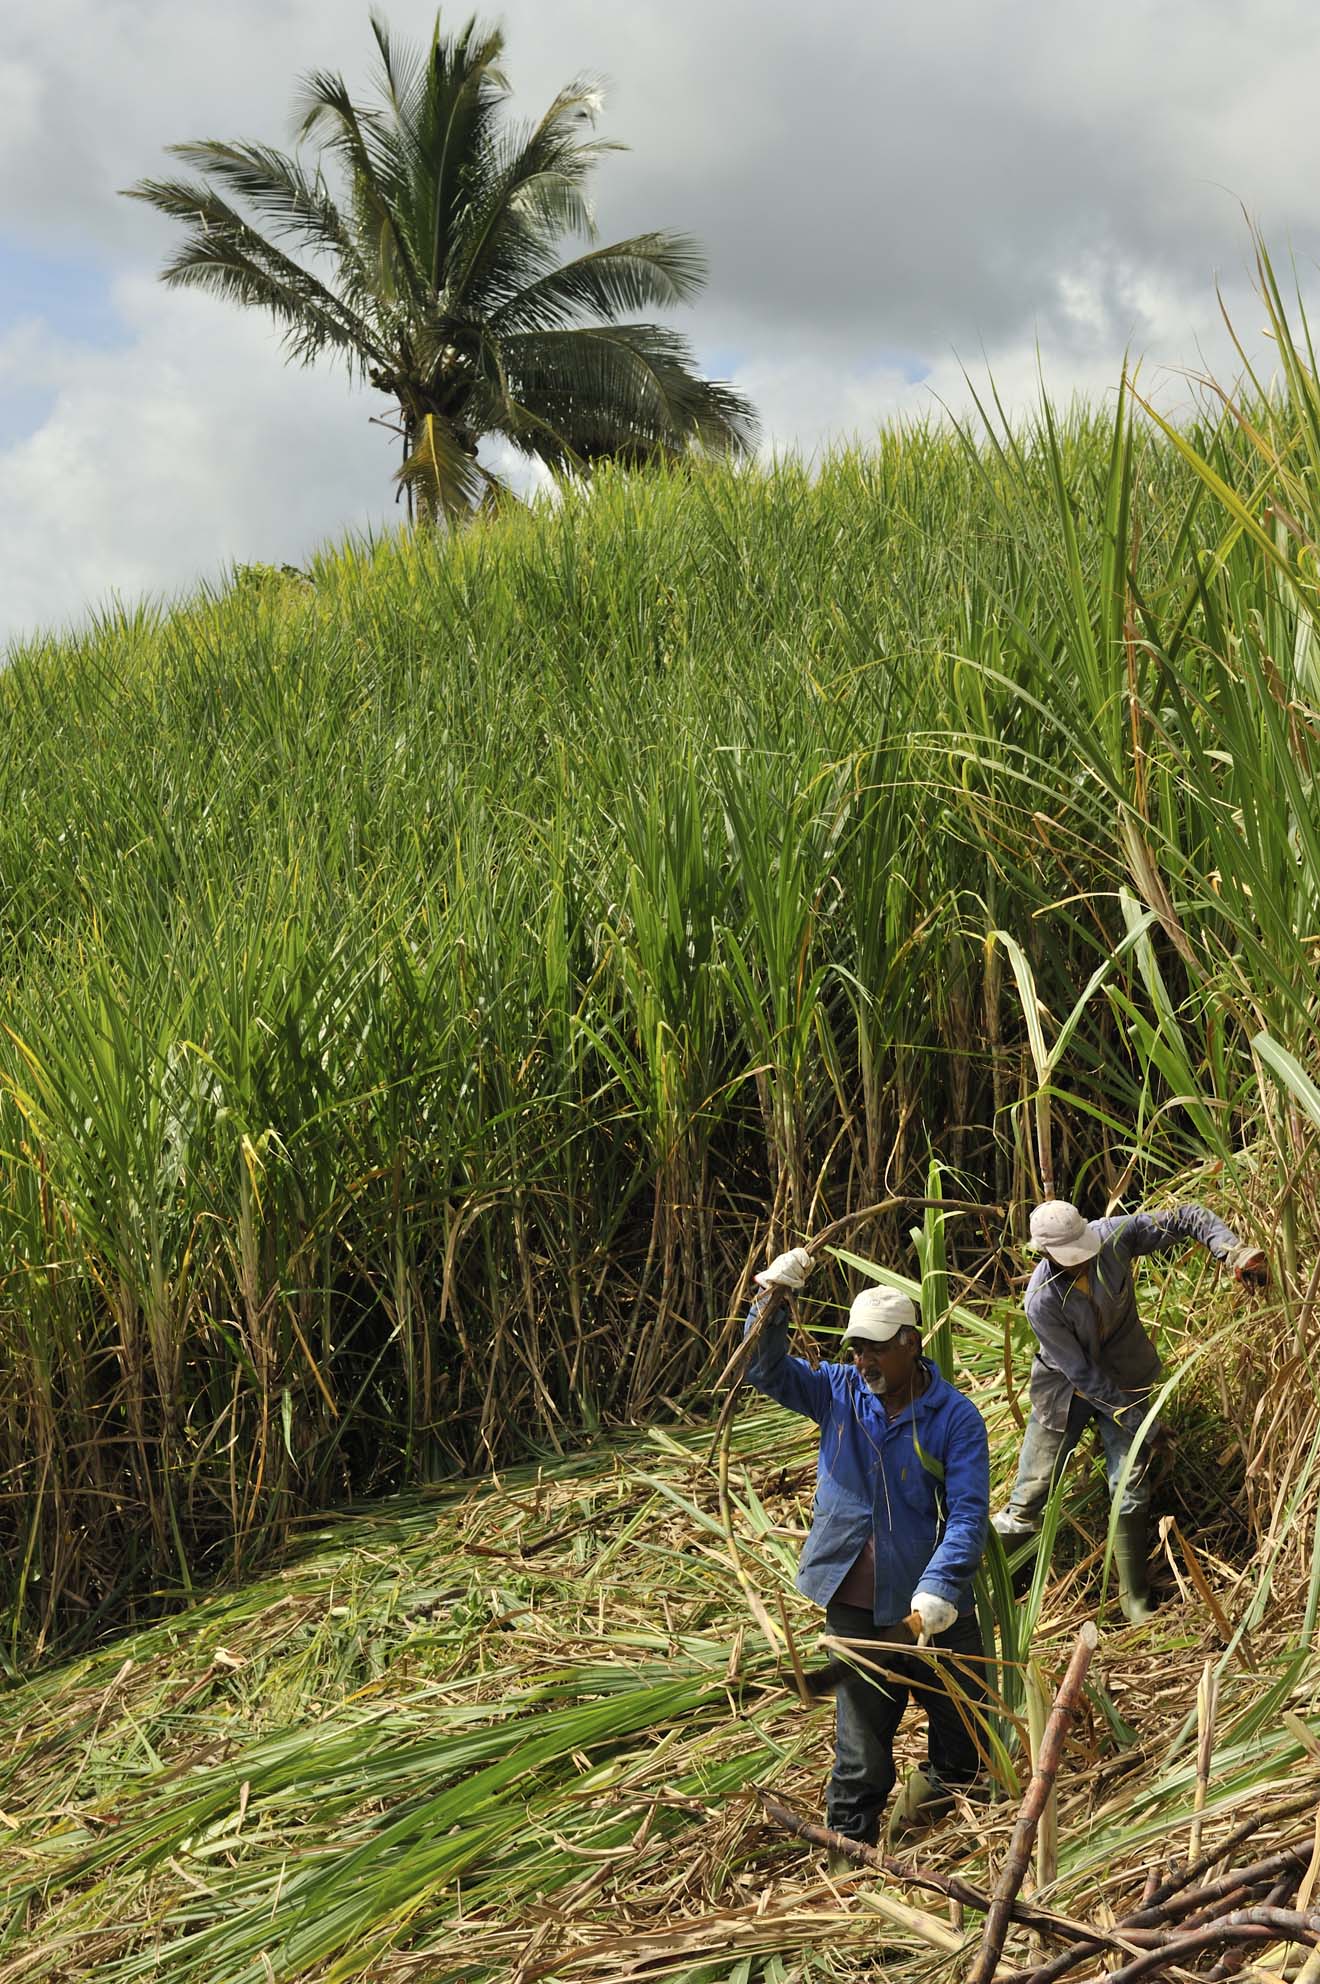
{"type": "Point", "coordinates": [886, 193]}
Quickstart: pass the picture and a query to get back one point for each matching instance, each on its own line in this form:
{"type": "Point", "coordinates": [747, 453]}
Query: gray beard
{"type": "Point", "coordinates": [877, 1387]}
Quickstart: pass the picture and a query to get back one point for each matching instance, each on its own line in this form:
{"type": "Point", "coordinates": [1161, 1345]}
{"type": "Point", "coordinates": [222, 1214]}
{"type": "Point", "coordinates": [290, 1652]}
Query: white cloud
{"type": "Point", "coordinates": [20, 106]}
{"type": "Point", "coordinates": [1092, 321]}
{"type": "Point", "coordinates": [957, 182]}
{"type": "Point", "coordinates": [190, 447]}
{"type": "Point", "coordinates": [194, 445]}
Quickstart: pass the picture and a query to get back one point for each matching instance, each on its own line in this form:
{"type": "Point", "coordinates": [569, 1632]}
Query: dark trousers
{"type": "Point", "coordinates": [868, 1709]}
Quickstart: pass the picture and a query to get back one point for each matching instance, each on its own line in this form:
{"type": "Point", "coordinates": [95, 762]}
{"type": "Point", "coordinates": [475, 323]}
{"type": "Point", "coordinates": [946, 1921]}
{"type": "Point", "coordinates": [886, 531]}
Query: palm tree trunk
{"type": "Point", "coordinates": [408, 439]}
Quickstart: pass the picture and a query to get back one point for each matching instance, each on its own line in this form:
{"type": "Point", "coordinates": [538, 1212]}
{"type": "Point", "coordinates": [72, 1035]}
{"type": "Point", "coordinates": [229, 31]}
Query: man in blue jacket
{"type": "Point", "coordinates": [898, 1527]}
{"type": "Point", "coordinates": [1094, 1361]}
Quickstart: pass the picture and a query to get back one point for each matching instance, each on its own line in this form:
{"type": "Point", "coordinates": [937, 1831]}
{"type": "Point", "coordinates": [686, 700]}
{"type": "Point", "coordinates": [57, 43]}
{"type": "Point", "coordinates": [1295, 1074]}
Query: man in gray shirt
{"type": "Point", "coordinates": [1094, 1361]}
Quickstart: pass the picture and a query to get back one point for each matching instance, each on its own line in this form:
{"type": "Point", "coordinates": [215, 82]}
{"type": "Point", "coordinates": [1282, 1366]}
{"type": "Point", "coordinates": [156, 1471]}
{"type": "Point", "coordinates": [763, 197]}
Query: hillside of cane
{"type": "Point", "coordinates": [434, 984]}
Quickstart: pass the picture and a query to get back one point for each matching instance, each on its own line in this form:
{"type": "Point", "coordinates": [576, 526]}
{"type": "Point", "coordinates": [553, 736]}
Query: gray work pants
{"type": "Point", "coordinates": [1045, 1454]}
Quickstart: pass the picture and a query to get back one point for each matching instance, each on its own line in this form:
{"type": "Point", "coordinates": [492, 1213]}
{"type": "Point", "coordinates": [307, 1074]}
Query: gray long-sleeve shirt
{"type": "Point", "coordinates": [1093, 1343]}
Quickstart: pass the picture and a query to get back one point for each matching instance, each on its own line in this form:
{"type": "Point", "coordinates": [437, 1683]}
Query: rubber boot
{"type": "Point", "coordinates": [1013, 1534]}
{"type": "Point", "coordinates": [923, 1799]}
{"type": "Point", "coordinates": [1130, 1560]}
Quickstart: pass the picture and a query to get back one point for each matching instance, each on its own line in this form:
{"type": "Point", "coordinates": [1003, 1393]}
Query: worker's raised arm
{"type": "Point", "coordinates": [788, 1380]}
{"type": "Point", "coordinates": [1161, 1232]}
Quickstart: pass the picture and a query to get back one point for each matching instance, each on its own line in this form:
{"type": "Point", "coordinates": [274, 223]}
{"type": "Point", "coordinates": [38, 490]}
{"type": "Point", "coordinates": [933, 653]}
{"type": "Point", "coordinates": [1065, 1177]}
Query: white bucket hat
{"type": "Point", "coordinates": [878, 1314]}
{"type": "Point", "coordinates": [1058, 1229]}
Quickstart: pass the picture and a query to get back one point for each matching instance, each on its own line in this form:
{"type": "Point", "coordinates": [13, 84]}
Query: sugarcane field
{"type": "Point", "coordinates": [659, 1226]}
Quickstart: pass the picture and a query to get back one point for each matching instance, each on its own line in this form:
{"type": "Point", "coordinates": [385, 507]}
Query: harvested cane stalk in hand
{"type": "Point", "coordinates": [732, 1374]}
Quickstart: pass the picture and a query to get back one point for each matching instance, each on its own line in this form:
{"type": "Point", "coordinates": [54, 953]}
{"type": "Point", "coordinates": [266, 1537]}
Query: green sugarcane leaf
{"type": "Point", "coordinates": [1290, 1073]}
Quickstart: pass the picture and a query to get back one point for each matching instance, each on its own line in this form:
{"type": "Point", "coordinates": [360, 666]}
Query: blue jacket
{"type": "Point", "coordinates": [925, 1501]}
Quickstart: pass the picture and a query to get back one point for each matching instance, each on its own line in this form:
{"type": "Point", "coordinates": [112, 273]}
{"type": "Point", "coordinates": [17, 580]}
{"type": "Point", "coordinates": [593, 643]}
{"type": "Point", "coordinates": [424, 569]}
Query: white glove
{"type": "Point", "coordinates": [1250, 1266]}
{"type": "Point", "coordinates": [788, 1270]}
{"type": "Point", "coordinates": [937, 1615]}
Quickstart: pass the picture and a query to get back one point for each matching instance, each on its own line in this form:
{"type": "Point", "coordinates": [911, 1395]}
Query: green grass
{"type": "Point", "coordinates": [429, 991]}
{"type": "Point", "coordinates": [511, 1727]}
{"type": "Point", "coordinates": [446, 1713]}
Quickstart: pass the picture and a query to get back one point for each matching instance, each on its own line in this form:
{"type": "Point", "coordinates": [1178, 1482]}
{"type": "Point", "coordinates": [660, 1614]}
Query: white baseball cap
{"type": "Point", "coordinates": [878, 1314]}
{"type": "Point", "coordinates": [1058, 1229]}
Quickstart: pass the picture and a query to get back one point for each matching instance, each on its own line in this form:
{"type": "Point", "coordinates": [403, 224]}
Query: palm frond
{"type": "Point", "coordinates": [278, 188]}
{"type": "Point", "coordinates": [370, 150]}
{"type": "Point", "coordinates": [553, 200]}
{"type": "Point", "coordinates": [225, 254]}
{"type": "Point", "coordinates": [647, 270]}
{"type": "Point", "coordinates": [447, 129]}
{"type": "Point", "coordinates": [622, 388]}
{"type": "Point", "coordinates": [532, 188]}
{"type": "Point", "coordinates": [402, 69]}
{"type": "Point", "coordinates": [226, 272]}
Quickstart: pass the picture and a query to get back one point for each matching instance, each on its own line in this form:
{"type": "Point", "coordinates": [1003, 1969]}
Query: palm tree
{"type": "Point", "coordinates": [433, 270]}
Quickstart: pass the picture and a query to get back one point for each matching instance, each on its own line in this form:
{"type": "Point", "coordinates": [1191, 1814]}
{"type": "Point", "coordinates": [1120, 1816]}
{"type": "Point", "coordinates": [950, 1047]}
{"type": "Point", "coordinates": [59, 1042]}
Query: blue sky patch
{"type": "Point", "coordinates": [70, 296]}
{"type": "Point", "coordinates": [71, 293]}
